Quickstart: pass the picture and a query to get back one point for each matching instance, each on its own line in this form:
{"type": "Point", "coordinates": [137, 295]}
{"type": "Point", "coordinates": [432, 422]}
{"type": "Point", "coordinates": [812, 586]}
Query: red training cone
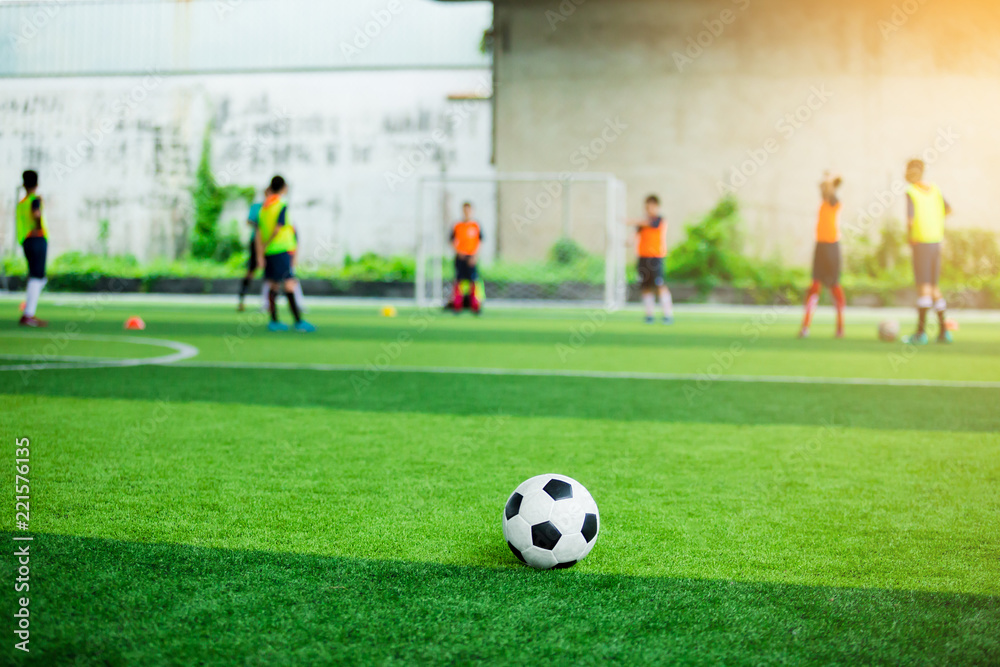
{"type": "Point", "coordinates": [135, 324]}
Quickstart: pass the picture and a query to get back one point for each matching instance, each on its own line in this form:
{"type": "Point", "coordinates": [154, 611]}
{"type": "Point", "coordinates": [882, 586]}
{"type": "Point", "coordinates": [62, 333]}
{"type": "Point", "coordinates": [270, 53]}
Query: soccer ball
{"type": "Point", "coordinates": [888, 331]}
{"type": "Point", "coordinates": [551, 521]}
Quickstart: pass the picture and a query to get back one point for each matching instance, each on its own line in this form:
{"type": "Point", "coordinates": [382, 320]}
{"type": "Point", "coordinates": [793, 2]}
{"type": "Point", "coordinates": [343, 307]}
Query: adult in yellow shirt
{"type": "Point", "coordinates": [275, 245]}
{"type": "Point", "coordinates": [926, 214]}
{"type": "Point", "coordinates": [33, 236]}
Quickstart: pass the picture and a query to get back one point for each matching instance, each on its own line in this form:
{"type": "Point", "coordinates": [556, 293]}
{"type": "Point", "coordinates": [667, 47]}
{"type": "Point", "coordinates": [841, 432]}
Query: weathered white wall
{"type": "Point", "coordinates": [891, 82]}
{"type": "Point", "coordinates": [126, 149]}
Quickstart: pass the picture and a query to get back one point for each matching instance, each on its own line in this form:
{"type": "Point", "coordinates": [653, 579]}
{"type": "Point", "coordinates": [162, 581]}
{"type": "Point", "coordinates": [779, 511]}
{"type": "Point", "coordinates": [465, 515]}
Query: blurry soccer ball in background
{"type": "Point", "coordinates": [389, 311]}
{"type": "Point", "coordinates": [551, 521]}
{"type": "Point", "coordinates": [888, 331]}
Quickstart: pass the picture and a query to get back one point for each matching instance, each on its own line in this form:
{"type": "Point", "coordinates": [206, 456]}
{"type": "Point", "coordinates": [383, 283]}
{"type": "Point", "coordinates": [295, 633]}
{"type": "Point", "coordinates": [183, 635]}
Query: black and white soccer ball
{"type": "Point", "coordinates": [551, 521]}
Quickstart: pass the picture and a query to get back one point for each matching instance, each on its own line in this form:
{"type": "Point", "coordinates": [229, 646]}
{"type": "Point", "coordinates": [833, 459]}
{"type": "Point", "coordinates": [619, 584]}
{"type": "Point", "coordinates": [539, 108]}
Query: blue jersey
{"type": "Point", "coordinates": [253, 217]}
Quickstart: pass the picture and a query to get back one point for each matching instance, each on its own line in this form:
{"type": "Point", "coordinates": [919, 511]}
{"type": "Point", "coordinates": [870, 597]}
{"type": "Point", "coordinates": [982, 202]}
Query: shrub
{"type": "Point", "coordinates": [567, 251]}
{"type": "Point", "coordinates": [711, 253]}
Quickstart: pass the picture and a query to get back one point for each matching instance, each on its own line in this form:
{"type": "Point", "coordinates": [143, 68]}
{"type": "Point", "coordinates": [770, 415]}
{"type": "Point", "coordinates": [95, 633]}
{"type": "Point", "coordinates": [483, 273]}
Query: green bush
{"type": "Point", "coordinates": [566, 251]}
{"type": "Point", "coordinates": [371, 267]}
{"type": "Point", "coordinates": [711, 252]}
{"type": "Point", "coordinates": [209, 200]}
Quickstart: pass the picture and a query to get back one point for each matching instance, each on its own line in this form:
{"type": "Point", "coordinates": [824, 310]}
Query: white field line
{"type": "Point", "coordinates": [183, 352]}
{"type": "Point", "coordinates": [609, 375]}
{"type": "Point", "coordinates": [43, 362]}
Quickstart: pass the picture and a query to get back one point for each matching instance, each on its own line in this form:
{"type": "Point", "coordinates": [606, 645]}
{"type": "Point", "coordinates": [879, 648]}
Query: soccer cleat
{"type": "Point", "coordinates": [649, 319]}
{"type": "Point", "coordinates": [277, 326]}
{"type": "Point", "coordinates": [240, 307]}
{"type": "Point", "coordinates": [304, 327]}
{"type": "Point", "coordinates": [668, 320]}
{"type": "Point", "coordinates": [945, 337]}
{"type": "Point", "coordinates": [804, 333]}
{"type": "Point", "coordinates": [915, 339]}
{"type": "Point", "coordinates": [33, 322]}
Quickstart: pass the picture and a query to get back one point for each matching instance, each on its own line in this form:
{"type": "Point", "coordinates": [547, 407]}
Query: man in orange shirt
{"type": "Point", "coordinates": [826, 258]}
{"type": "Point", "coordinates": [466, 237]}
{"type": "Point", "coordinates": [652, 246]}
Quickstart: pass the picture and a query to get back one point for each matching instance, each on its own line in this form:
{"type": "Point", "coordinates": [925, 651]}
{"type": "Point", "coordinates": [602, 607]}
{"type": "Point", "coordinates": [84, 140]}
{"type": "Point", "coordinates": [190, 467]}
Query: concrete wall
{"type": "Point", "coordinates": [351, 144]}
{"type": "Point", "coordinates": [757, 97]}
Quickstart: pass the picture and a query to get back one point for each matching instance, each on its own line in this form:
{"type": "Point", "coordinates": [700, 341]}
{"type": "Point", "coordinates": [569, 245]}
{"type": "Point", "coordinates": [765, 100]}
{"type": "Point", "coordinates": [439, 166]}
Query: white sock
{"type": "Point", "coordinates": [667, 303]}
{"type": "Point", "coordinates": [298, 297]}
{"type": "Point", "coordinates": [33, 292]}
{"type": "Point", "coordinates": [649, 301]}
{"type": "Point", "coordinates": [265, 300]}
{"type": "Point", "coordinates": [940, 305]}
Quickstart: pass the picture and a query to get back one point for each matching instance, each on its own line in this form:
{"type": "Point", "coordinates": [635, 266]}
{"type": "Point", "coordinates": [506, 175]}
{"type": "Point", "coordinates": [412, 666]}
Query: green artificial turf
{"type": "Point", "coordinates": [171, 604]}
{"type": "Point", "coordinates": [190, 515]}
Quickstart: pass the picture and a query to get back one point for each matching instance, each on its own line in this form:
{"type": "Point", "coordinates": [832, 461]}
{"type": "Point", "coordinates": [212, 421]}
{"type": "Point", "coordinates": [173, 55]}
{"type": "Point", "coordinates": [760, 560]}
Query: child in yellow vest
{"type": "Point", "coordinates": [33, 236]}
{"type": "Point", "coordinates": [926, 214]}
{"type": "Point", "coordinates": [275, 245]}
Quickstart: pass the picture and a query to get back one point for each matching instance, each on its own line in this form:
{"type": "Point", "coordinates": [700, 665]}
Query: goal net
{"type": "Point", "coordinates": [546, 237]}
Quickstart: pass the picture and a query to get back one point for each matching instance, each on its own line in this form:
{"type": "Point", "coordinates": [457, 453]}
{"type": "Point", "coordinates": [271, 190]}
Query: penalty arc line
{"type": "Point", "coordinates": [181, 352]}
{"type": "Point", "coordinates": [607, 375]}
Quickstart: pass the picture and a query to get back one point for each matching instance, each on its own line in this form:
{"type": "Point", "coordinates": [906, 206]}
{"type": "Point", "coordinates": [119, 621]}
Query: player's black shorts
{"type": "Point", "coordinates": [465, 269]}
{"type": "Point", "coordinates": [278, 267]}
{"type": "Point", "coordinates": [927, 263]}
{"type": "Point", "coordinates": [826, 264]}
{"type": "Point", "coordinates": [651, 272]}
{"type": "Point", "coordinates": [252, 262]}
{"type": "Point", "coordinates": [35, 250]}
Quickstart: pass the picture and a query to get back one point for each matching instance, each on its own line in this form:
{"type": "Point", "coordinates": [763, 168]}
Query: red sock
{"type": "Point", "coordinates": [841, 301]}
{"type": "Point", "coordinates": [456, 297]}
{"type": "Point", "coordinates": [812, 300]}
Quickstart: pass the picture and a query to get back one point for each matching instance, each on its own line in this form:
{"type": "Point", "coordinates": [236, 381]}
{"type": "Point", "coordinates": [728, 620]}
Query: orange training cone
{"type": "Point", "coordinates": [23, 306]}
{"type": "Point", "coordinates": [135, 324]}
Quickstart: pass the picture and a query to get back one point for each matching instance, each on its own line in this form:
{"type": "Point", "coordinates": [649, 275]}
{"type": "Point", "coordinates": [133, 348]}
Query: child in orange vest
{"type": "Point", "coordinates": [652, 247]}
{"type": "Point", "coordinates": [826, 258]}
{"type": "Point", "coordinates": [466, 237]}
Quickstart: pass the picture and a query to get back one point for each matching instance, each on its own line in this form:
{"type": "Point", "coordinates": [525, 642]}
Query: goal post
{"type": "Point", "coordinates": [548, 237]}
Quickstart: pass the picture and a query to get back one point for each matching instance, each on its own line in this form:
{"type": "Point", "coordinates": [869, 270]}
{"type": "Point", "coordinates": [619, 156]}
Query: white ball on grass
{"type": "Point", "coordinates": [551, 521]}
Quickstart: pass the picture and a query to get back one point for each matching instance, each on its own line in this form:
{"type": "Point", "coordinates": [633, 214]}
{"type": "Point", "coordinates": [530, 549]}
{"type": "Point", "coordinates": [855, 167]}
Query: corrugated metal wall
{"type": "Point", "coordinates": [126, 37]}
